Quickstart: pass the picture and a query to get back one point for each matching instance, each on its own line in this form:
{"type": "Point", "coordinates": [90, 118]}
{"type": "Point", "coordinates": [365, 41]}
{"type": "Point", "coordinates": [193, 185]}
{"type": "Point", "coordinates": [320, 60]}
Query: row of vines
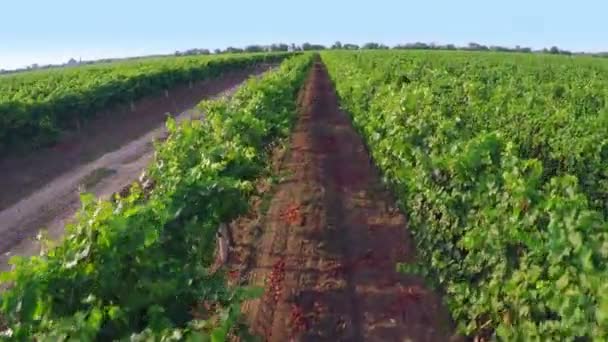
{"type": "Point", "coordinates": [139, 267]}
{"type": "Point", "coordinates": [501, 163]}
{"type": "Point", "coordinates": [36, 107]}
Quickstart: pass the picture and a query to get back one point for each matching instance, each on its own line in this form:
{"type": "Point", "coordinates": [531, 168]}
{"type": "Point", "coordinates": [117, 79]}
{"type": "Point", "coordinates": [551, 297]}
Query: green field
{"type": "Point", "coordinates": [37, 106]}
{"type": "Point", "coordinates": [498, 160]}
{"type": "Point", "coordinates": [136, 267]}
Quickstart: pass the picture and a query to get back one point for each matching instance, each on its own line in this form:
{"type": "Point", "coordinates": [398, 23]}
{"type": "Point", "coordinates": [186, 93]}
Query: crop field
{"type": "Point", "coordinates": [37, 106]}
{"type": "Point", "coordinates": [368, 195]}
{"type": "Point", "coordinates": [500, 161]}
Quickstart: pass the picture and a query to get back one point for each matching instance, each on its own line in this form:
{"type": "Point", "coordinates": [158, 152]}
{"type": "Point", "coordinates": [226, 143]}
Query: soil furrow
{"type": "Point", "coordinates": [327, 247]}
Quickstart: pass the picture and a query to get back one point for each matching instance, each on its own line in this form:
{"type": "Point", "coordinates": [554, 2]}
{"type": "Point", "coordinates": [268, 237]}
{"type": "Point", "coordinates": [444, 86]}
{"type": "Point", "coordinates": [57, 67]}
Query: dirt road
{"type": "Point", "coordinates": [41, 190]}
{"type": "Point", "coordinates": [326, 247]}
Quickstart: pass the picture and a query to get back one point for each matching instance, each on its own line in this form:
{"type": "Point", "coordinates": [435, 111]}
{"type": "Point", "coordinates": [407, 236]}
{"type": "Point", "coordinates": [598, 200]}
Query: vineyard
{"type": "Point", "coordinates": [36, 107]}
{"type": "Point", "coordinates": [139, 267]}
{"type": "Point", "coordinates": [500, 163]}
{"type": "Point", "coordinates": [372, 195]}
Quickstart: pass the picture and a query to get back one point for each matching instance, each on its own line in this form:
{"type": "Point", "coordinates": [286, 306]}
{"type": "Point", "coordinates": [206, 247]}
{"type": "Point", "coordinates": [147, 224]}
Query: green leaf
{"type": "Point", "coordinates": [562, 282]}
{"type": "Point", "coordinates": [576, 239]}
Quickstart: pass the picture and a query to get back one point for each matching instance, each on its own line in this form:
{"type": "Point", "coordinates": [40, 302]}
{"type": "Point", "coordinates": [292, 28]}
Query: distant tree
{"type": "Point", "coordinates": [521, 49]}
{"type": "Point", "coordinates": [254, 48]}
{"type": "Point", "coordinates": [371, 46]}
{"type": "Point", "coordinates": [337, 45]}
{"type": "Point", "coordinates": [231, 49]}
{"type": "Point", "coordinates": [477, 47]}
{"type": "Point", "coordinates": [72, 61]}
{"type": "Point", "coordinates": [311, 47]}
{"type": "Point", "coordinates": [350, 47]}
{"type": "Point", "coordinates": [217, 51]}
{"type": "Point", "coordinates": [416, 45]}
{"type": "Point", "coordinates": [450, 47]}
{"type": "Point", "coordinates": [499, 48]}
{"type": "Point", "coordinates": [279, 47]}
{"type": "Point", "coordinates": [420, 46]}
{"type": "Point", "coordinates": [193, 52]}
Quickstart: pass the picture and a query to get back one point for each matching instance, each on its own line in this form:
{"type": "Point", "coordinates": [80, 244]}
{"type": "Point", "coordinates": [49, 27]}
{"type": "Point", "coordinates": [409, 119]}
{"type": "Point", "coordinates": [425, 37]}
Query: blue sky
{"type": "Point", "coordinates": [47, 31]}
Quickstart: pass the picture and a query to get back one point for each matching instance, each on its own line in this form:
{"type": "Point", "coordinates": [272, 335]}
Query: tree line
{"type": "Point", "coordinates": [379, 46]}
{"type": "Point", "coordinates": [335, 46]}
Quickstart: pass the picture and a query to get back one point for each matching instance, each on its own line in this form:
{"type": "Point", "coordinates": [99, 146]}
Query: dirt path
{"type": "Point", "coordinates": [326, 248]}
{"type": "Point", "coordinates": [52, 203]}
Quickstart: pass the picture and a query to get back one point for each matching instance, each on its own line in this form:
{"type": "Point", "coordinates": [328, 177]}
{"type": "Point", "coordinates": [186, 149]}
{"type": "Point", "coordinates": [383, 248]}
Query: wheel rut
{"type": "Point", "coordinates": [326, 247]}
